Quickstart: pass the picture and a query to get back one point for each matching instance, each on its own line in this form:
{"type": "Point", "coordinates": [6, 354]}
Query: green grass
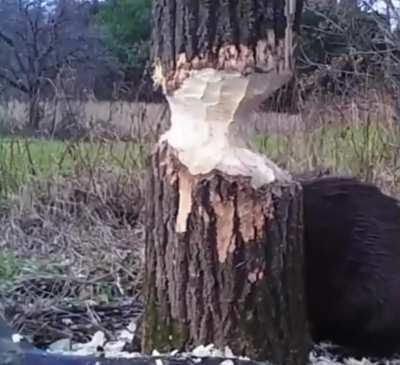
{"type": "Point", "coordinates": [25, 160]}
{"type": "Point", "coordinates": [14, 269]}
{"type": "Point", "coordinates": [11, 268]}
{"type": "Point", "coordinates": [367, 152]}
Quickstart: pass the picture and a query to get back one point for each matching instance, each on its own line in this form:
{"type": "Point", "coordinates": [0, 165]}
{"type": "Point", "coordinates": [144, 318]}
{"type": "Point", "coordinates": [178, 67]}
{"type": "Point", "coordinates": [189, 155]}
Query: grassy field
{"type": "Point", "coordinates": [23, 161]}
{"type": "Point", "coordinates": [369, 152]}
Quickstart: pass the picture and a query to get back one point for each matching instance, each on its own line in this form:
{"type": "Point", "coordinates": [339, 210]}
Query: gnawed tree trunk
{"type": "Point", "coordinates": [224, 255]}
{"type": "Point", "coordinates": [224, 263]}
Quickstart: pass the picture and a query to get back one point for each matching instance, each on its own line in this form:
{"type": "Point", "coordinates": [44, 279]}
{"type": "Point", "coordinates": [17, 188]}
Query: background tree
{"type": "Point", "coordinates": [344, 47]}
{"type": "Point", "coordinates": [127, 27]}
{"type": "Point", "coordinates": [38, 38]}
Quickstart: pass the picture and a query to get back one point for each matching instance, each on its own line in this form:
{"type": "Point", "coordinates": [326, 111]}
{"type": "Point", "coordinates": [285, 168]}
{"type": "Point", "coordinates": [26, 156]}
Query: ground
{"type": "Point", "coordinates": [71, 237]}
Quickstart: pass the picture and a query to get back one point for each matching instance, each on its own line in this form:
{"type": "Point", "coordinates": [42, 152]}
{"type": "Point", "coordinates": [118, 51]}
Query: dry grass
{"type": "Point", "coordinates": [72, 245]}
{"type": "Point", "coordinates": [64, 118]}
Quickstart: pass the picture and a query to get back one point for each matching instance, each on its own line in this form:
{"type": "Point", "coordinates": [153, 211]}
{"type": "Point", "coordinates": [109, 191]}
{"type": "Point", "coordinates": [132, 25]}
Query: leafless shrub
{"type": "Point", "coordinates": [344, 46]}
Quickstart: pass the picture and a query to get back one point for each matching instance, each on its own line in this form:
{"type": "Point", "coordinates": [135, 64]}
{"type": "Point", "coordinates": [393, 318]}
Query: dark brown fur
{"type": "Point", "coordinates": [352, 250]}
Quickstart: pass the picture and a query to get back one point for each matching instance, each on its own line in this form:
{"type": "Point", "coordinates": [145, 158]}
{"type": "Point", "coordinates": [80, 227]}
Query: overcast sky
{"type": "Point", "coordinates": [381, 5]}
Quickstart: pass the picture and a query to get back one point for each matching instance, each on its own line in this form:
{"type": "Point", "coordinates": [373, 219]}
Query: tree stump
{"type": "Point", "coordinates": [224, 263]}
{"type": "Point", "coordinates": [224, 255]}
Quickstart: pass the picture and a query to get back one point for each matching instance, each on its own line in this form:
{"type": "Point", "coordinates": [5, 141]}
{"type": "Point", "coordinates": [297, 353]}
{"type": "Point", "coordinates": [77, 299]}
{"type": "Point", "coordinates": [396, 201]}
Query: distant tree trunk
{"type": "Point", "coordinates": [224, 233]}
{"type": "Point", "coordinates": [34, 112]}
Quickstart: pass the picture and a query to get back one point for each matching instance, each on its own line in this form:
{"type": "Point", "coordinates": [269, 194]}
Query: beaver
{"type": "Point", "coordinates": [352, 264]}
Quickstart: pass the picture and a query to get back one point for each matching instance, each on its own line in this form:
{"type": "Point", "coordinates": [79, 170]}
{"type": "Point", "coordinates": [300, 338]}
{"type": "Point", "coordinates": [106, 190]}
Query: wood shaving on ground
{"type": "Point", "coordinates": [321, 354]}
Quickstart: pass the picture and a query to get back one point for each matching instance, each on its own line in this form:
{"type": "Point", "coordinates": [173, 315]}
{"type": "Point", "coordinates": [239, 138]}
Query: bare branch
{"type": "Point", "coordinates": [7, 40]}
{"type": "Point", "coordinates": [36, 42]}
{"type": "Point", "coordinates": [16, 85]}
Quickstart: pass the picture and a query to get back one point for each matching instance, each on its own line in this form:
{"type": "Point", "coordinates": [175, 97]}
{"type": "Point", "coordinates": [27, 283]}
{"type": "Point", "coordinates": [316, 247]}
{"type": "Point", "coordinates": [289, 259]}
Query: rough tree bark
{"type": "Point", "coordinates": [224, 237]}
{"type": "Point", "coordinates": [224, 263]}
